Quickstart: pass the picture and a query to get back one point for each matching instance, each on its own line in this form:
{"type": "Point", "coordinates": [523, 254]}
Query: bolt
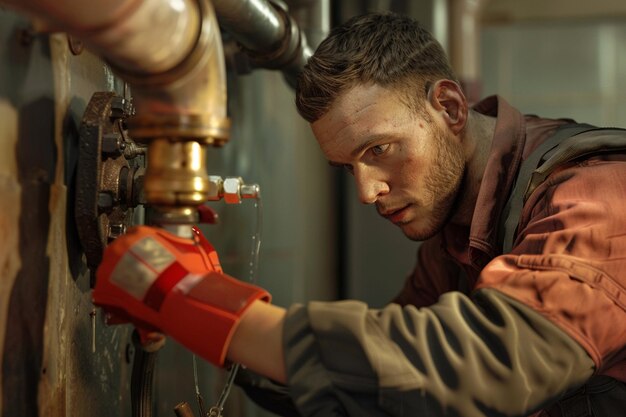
{"type": "Point", "coordinates": [112, 143]}
{"type": "Point", "coordinates": [132, 150]}
{"type": "Point", "coordinates": [116, 230]}
{"type": "Point", "coordinates": [118, 108]}
{"type": "Point", "coordinates": [231, 190]}
{"type": "Point", "coordinates": [105, 200]}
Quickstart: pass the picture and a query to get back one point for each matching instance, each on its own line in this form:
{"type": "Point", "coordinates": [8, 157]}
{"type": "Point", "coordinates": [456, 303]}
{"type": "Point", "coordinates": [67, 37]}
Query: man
{"type": "Point", "coordinates": [515, 333]}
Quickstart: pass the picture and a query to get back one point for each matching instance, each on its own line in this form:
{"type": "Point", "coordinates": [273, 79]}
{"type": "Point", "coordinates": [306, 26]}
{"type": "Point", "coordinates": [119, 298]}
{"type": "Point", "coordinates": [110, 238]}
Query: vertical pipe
{"type": "Point", "coordinates": [465, 44]}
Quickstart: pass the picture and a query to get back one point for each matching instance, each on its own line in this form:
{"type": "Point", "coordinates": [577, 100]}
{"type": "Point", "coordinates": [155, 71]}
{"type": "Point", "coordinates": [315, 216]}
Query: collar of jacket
{"type": "Point", "coordinates": [479, 245]}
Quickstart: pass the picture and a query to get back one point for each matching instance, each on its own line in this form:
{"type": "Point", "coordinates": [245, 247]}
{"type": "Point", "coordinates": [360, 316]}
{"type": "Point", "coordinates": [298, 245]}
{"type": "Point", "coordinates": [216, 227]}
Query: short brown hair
{"type": "Point", "coordinates": [387, 49]}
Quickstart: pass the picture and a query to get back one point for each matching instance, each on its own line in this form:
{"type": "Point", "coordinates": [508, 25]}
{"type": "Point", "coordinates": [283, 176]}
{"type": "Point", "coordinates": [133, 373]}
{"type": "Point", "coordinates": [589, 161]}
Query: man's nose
{"type": "Point", "coordinates": [370, 185]}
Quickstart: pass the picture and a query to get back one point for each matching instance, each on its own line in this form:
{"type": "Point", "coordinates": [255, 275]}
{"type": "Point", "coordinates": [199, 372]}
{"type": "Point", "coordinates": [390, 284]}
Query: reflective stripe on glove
{"type": "Point", "coordinates": [165, 283]}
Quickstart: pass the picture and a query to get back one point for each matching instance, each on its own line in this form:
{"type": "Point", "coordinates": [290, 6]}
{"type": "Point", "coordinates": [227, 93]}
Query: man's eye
{"type": "Point", "coordinates": [380, 149]}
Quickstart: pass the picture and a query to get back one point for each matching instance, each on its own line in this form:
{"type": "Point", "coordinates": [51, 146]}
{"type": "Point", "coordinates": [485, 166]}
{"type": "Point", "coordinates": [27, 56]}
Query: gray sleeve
{"type": "Point", "coordinates": [485, 356]}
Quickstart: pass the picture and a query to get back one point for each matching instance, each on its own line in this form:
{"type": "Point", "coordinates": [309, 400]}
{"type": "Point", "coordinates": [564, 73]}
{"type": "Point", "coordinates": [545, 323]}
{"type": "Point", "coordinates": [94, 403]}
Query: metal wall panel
{"type": "Point", "coordinates": [57, 356]}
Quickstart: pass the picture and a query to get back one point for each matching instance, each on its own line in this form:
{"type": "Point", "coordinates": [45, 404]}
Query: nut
{"type": "Point", "coordinates": [232, 186]}
{"type": "Point", "coordinates": [215, 187]}
{"type": "Point", "coordinates": [250, 191]}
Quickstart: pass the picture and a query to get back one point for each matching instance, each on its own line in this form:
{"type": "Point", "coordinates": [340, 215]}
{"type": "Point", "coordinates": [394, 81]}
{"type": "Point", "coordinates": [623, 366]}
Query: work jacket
{"type": "Point", "coordinates": [513, 333]}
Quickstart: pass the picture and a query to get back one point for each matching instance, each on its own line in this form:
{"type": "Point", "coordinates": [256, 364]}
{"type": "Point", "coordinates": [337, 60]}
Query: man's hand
{"type": "Point", "coordinates": [164, 283]}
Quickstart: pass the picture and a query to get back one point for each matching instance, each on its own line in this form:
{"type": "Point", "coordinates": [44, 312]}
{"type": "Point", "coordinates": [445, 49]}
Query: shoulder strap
{"type": "Point", "coordinates": [569, 142]}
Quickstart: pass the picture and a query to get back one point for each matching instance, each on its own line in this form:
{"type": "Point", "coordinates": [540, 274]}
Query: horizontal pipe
{"type": "Point", "coordinates": [170, 53]}
{"type": "Point", "coordinates": [255, 24]}
{"type": "Point", "coordinates": [140, 36]}
{"type": "Point", "coordinates": [270, 36]}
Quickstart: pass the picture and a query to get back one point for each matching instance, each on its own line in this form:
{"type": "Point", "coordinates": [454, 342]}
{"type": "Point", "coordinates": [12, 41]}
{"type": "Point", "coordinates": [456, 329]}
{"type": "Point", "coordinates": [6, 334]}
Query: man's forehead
{"type": "Point", "coordinates": [357, 99]}
{"type": "Point", "coordinates": [353, 110]}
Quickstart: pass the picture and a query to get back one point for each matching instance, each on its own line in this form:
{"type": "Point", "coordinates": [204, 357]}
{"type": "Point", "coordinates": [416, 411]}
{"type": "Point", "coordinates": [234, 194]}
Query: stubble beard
{"type": "Point", "coordinates": [443, 182]}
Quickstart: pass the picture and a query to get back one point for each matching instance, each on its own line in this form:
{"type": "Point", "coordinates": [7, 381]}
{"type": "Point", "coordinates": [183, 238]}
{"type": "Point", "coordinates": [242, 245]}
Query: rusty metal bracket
{"type": "Point", "coordinates": [109, 180]}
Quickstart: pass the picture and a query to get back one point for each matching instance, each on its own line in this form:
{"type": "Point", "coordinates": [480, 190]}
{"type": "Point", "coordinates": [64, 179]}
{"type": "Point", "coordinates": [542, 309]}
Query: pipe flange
{"type": "Point", "coordinates": [208, 130]}
{"type": "Point", "coordinates": [106, 179]}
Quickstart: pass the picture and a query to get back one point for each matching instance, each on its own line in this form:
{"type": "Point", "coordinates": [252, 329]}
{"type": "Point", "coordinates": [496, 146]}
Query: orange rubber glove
{"type": "Point", "coordinates": [161, 282]}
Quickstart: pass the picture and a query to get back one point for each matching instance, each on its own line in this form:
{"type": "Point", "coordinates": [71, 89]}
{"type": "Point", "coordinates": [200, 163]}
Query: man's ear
{"type": "Point", "coordinates": [447, 98]}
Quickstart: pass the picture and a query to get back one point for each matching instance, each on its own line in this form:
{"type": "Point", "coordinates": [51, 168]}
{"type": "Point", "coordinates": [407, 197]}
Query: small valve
{"type": "Point", "coordinates": [231, 189]}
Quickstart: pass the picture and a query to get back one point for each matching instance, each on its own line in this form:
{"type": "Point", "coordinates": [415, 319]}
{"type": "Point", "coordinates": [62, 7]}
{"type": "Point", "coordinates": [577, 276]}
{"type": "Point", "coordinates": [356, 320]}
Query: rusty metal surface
{"type": "Point", "coordinates": [49, 367]}
{"type": "Point", "coordinates": [98, 358]}
{"type": "Point", "coordinates": [105, 177]}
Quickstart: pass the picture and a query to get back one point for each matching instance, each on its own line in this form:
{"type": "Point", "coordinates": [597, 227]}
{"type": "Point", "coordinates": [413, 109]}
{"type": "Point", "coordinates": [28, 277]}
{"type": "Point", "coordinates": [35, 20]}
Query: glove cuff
{"type": "Point", "coordinates": [203, 312]}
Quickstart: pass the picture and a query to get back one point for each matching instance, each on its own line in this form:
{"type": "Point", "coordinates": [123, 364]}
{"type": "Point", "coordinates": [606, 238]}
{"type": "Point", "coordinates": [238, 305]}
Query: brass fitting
{"type": "Point", "coordinates": [176, 173]}
{"type": "Point", "coordinates": [180, 112]}
{"type": "Point", "coordinates": [232, 189]}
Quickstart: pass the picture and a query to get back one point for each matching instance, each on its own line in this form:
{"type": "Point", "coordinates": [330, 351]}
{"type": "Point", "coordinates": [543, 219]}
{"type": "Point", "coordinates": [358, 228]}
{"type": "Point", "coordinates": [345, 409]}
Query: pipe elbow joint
{"type": "Point", "coordinates": [188, 101]}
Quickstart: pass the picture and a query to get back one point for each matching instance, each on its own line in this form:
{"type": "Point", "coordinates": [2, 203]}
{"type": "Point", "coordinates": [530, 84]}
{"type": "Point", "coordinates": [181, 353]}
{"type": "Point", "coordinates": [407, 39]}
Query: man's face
{"type": "Point", "coordinates": [409, 167]}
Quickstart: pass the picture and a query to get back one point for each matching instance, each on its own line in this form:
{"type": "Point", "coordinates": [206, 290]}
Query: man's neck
{"type": "Point", "coordinates": [478, 135]}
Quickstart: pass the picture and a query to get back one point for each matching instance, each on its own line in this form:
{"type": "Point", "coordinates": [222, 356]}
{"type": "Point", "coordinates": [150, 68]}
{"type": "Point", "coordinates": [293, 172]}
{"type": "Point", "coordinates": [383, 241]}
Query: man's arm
{"type": "Point", "coordinates": [489, 355]}
{"type": "Point", "coordinates": [258, 341]}
{"type": "Point", "coordinates": [545, 318]}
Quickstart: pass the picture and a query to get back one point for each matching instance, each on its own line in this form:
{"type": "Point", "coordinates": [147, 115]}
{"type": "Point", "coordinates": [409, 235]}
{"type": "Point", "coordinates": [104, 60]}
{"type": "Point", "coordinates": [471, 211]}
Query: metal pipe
{"type": "Point", "coordinates": [265, 31]}
{"type": "Point", "coordinates": [465, 44]}
{"type": "Point", "coordinates": [140, 36]}
{"type": "Point", "coordinates": [313, 17]}
{"type": "Point", "coordinates": [256, 24]}
{"type": "Point", "coordinates": [179, 113]}
{"type": "Point", "coordinates": [270, 36]}
{"type": "Point", "coordinates": [170, 52]}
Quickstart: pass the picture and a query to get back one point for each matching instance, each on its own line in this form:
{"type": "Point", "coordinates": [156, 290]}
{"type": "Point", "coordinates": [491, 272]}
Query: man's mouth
{"type": "Point", "coordinates": [395, 215]}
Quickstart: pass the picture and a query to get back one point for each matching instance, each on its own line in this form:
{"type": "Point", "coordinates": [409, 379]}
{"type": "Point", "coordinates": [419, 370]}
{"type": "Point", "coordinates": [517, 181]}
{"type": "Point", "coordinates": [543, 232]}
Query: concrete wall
{"type": "Point", "coordinates": [572, 68]}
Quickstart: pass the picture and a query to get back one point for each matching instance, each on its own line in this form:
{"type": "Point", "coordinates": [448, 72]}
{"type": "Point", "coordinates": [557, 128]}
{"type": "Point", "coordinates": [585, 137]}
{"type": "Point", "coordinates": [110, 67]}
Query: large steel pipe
{"type": "Point", "coordinates": [255, 24]}
{"type": "Point", "coordinates": [267, 33]}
